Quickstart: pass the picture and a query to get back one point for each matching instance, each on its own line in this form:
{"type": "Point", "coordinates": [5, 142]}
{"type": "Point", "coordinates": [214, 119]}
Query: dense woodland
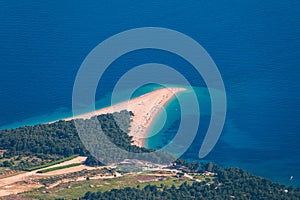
{"type": "Point", "coordinates": [60, 139]}
{"type": "Point", "coordinates": [231, 183]}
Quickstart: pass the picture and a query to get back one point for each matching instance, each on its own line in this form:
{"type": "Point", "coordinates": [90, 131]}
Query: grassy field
{"type": "Point", "coordinates": [74, 190]}
{"type": "Point", "coordinates": [58, 168]}
{"type": "Point", "coordinates": [51, 163]}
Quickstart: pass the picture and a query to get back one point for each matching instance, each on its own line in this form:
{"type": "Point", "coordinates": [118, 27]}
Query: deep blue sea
{"type": "Point", "coordinates": [255, 44]}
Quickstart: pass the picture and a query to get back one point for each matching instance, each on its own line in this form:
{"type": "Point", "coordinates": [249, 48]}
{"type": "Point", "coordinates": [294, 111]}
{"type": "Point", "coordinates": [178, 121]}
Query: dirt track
{"type": "Point", "coordinates": [22, 182]}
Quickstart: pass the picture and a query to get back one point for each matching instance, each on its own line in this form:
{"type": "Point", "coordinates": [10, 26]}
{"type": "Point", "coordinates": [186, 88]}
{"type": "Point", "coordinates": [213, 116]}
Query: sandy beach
{"type": "Point", "coordinates": [145, 108]}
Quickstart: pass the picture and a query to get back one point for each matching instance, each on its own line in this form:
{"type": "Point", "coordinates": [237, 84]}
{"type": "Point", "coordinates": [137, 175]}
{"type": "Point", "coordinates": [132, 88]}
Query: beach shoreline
{"type": "Point", "coordinates": [145, 108]}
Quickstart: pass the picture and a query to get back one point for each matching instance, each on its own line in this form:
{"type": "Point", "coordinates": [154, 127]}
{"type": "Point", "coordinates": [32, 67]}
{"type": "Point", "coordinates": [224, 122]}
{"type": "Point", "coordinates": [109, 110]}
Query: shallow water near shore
{"type": "Point", "coordinates": [255, 46]}
{"type": "Point", "coordinates": [234, 148]}
{"type": "Point", "coordinates": [64, 112]}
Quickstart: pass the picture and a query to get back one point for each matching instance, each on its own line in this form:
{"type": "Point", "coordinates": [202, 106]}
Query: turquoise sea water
{"type": "Point", "coordinates": [255, 45]}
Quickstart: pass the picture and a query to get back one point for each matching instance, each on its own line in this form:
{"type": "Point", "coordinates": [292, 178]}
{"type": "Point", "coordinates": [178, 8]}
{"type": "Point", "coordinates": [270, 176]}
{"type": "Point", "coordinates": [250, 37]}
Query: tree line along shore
{"type": "Point", "coordinates": [35, 147]}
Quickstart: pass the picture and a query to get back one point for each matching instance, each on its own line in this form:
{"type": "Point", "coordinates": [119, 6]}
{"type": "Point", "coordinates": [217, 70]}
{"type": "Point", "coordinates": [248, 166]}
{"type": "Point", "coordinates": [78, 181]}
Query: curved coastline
{"type": "Point", "coordinates": [145, 109]}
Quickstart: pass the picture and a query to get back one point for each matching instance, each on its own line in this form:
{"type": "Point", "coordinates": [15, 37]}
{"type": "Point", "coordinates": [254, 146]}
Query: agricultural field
{"type": "Point", "coordinates": [73, 190]}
